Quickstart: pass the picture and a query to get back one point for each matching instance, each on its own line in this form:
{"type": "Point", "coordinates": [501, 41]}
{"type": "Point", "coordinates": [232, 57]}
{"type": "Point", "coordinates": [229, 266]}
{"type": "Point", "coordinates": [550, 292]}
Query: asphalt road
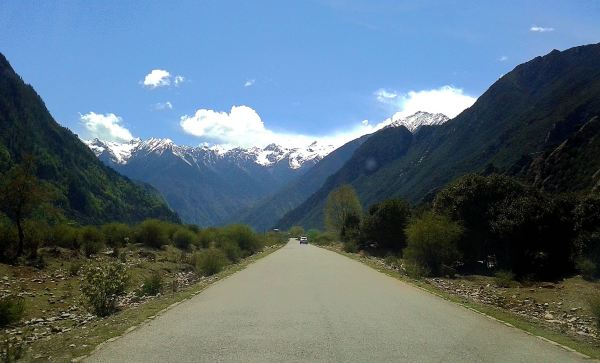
{"type": "Point", "coordinates": [306, 304]}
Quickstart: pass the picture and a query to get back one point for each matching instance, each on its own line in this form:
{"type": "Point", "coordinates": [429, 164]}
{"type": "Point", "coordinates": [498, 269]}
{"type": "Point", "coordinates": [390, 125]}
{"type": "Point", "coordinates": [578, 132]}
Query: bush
{"type": "Point", "coordinates": [116, 234]}
{"type": "Point", "coordinates": [102, 284]}
{"type": "Point", "coordinates": [587, 268]}
{"type": "Point", "coordinates": [11, 310]}
{"type": "Point", "coordinates": [296, 231]}
{"type": "Point", "coordinates": [384, 225]}
{"type": "Point", "coordinates": [65, 236]}
{"type": "Point", "coordinates": [351, 246]}
{"type": "Point", "coordinates": [231, 250]}
{"type": "Point", "coordinates": [391, 261]}
{"type": "Point", "coordinates": [152, 233]}
{"type": "Point", "coordinates": [91, 240]}
{"type": "Point", "coordinates": [244, 237]}
{"type": "Point", "coordinates": [432, 243]}
{"type": "Point", "coordinates": [504, 278]}
{"type": "Point", "coordinates": [183, 238]}
{"type": "Point", "coordinates": [209, 262]}
{"type": "Point", "coordinates": [74, 268]}
{"type": "Point", "coordinates": [415, 270]}
{"type": "Point", "coordinates": [152, 284]}
{"type": "Point", "coordinates": [594, 303]}
{"type": "Point", "coordinates": [323, 239]}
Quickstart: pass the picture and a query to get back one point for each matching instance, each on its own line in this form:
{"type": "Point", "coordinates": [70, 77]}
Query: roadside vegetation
{"type": "Point", "coordinates": [62, 281]}
{"type": "Point", "coordinates": [511, 238]}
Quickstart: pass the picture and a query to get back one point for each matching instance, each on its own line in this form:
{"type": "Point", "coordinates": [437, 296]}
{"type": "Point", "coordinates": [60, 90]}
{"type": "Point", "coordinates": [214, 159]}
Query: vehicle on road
{"type": "Point", "coordinates": [303, 240]}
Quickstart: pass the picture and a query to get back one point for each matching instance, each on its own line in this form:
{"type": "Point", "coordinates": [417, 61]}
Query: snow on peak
{"type": "Point", "coordinates": [270, 155]}
{"type": "Point", "coordinates": [414, 122]}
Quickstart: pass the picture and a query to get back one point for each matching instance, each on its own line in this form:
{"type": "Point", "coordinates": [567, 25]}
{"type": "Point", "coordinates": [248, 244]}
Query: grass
{"type": "Point", "coordinates": [81, 341]}
{"type": "Point", "coordinates": [575, 295]}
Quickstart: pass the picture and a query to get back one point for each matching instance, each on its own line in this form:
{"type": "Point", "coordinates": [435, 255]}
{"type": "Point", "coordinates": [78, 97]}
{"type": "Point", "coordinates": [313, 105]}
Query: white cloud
{"type": "Point", "coordinates": [160, 106]}
{"type": "Point", "coordinates": [242, 126]}
{"type": "Point", "coordinates": [105, 127]}
{"type": "Point", "coordinates": [448, 100]}
{"type": "Point", "coordinates": [161, 78]}
{"type": "Point", "coordinates": [249, 83]}
{"type": "Point", "coordinates": [541, 29]}
{"type": "Point", "coordinates": [503, 58]}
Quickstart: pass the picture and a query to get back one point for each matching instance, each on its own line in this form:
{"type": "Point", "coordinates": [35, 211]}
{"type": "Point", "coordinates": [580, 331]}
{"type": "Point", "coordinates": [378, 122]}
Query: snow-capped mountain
{"type": "Point", "coordinates": [421, 118]}
{"type": "Point", "coordinates": [209, 185]}
{"type": "Point", "coordinates": [295, 158]}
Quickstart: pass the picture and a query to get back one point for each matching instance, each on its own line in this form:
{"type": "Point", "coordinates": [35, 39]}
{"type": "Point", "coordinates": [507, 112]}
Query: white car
{"type": "Point", "coordinates": [303, 240]}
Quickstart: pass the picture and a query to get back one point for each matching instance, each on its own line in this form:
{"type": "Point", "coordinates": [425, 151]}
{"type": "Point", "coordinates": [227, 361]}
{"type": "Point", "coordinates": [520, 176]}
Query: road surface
{"type": "Point", "coordinates": [306, 304]}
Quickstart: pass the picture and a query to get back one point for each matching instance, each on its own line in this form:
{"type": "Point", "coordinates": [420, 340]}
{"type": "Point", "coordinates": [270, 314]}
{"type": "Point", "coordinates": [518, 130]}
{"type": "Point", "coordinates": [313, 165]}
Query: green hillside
{"type": "Point", "coordinates": [86, 190]}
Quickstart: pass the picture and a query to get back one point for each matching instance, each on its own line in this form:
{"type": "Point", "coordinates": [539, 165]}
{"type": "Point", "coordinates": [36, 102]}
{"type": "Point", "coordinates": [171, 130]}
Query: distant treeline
{"type": "Point", "coordinates": [477, 224]}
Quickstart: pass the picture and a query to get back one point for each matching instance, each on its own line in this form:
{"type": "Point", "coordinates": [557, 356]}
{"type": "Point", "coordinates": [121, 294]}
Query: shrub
{"type": "Point", "coordinates": [74, 268]}
{"type": "Point", "coordinates": [183, 238]}
{"type": "Point", "coordinates": [587, 268]}
{"type": "Point", "coordinates": [323, 239]}
{"type": "Point", "coordinates": [385, 223]}
{"type": "Point", "coordinates": [91, 240]}
{"type": "Point", "coordinates": [504, 278]}
{"type": "Point", "coordinates": [296, 231]}
{"type": "Point", "coordinates": [391, 261]}
{"type": "Point", "coordinates": [152, 233]}
{"type": "Point", "coordinates": [231, 250]}
{"type": "Point", "coordinates": [594, 303]}
{"type": "Point", "coordinates": [65, 236]}
{"type": "Point", "coordinates": [11, 310]}
{"type": "Point", "coordinates": [244, 237]}
{"type": "Point", "coordinates": [102, 284]}
{"type": "Point", "coordinates": [116, 234]}
{"type": "Point", "coordinates": [210, 261]}
{"type": "Point", "coordinates": [431, 242]}
{"type": "Point", "coordinates": [415, 270]}
{"type": "Point", "coordinates": [152, 284]}
{"type": "Point", "coordinates": [351, 246]}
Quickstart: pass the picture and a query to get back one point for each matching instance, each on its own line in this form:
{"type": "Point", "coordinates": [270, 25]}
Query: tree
{"type": "Point", "coordinates": [432, 243]}
{"type": "Point", "coordinates": [341, 203]}
{"type": "Point", "coordinates": [385, 223]}
{"type": "Point", "coordinates": [21, 194]}
{"type": "Point", "coordinates": [296, 231]}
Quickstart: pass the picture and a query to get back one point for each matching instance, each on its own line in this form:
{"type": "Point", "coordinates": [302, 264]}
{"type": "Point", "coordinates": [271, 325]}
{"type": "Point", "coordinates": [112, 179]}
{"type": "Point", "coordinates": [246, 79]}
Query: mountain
{"type": "Point", "coordinates": [420, 118]}
{"type": "Point", "coordinates": [530, 111]}
{"type": "Point", "coordinates": [209, 185]}
{"type": "Point", "coordinates": [87, 190]}
{"type": "Point", "coordinates": [266, 213]}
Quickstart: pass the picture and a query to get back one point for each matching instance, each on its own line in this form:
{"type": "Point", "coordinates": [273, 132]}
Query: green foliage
{"type": "Point", "coordinates": [183, 238]}
{"type": "Point", "coordinates": [116, 234]}
{"type": "Point", "coordinates": [504, 278]}
{"type": "Point", "coordinates": [594, 303]}
{"type": "Point", "coordinates": [66, 236]}
{"type": "Point", "coordinates": [587, 268]}
{"type": "Point", "coordinates": [350, 232]}
{"type": "Point", "coordinates": [91, 240]}
{"type": "Point", "coordinates": [102, 284]}
{"type": "Point", "coordinates": [74, 268]}
{"type": "Point", "coordinates": [296, 231]}
{"type": "Point", "coordinates": [152, 284]}
{"type": "Point", "coordinates": [341, 203]}
{"type": "Point", "coordinates": [210, 261]}
{"type": "Point", "coordinates": [323, 239]}
{"type": "Point", "coordinates": [243, 236]}
{"type": "Point", "coordinates": [230, 249]}
{"type": "Point", "coordinates": [527, 231]}
{"type": "Point", "coordinates": [152, 233]}
{"type": "Point", "coordinates": [432, 242]}
{"type": "Point", "coordinates": [12, 309]}
{"type": "Point", "coordinates": [392, 261]}
{"type": "Point", "coordinates": [384, 225]}
{"type": "Point", "coordinates": [273, 238]}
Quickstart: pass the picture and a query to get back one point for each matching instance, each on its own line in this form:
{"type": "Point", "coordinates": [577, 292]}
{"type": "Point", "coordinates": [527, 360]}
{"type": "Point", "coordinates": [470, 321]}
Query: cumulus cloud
{"type": "Point", "coordinates": [448, 100]}
{"type": "Point", "coordinates": [161, 78]}
{"type": "Point", "coordinates": [541, 29]}
{"type": "Point", "coordinates": [160, 106]}
{"type": "Point", "coordinates": [242, 125]}
{"type": "Point", "coordinates": [105, 126]}
{"type": "Point", "coordinates": [249, 83]}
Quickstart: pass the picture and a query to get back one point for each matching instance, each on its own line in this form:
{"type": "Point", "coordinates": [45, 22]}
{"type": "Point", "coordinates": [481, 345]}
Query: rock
{"type": "Point", "coordinates": [549, 316]}
{"type": "Point", "coordinates": [72, 345]}
{"type": "Point", "coordinates": [547, 285]}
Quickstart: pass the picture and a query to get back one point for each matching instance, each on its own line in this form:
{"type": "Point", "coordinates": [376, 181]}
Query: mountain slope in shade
{"type": "Point", "coordinates": [532, 109]}
{"type": "Point", "coordinates": [209, 185]}
{"type": "Point", "coordinates": [267, 213]}
{"type": "Point", "coordinates": [88, 191]}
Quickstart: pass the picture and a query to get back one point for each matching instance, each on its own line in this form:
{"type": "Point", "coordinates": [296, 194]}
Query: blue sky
{"type": "Point", "coordinates": [292, 70]}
